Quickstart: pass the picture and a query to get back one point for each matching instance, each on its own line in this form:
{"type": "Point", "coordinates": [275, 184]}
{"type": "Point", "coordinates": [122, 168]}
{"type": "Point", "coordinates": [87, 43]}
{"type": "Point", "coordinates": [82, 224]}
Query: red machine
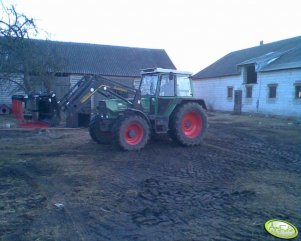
{"type": "Point", "coordinates": [36, 110]}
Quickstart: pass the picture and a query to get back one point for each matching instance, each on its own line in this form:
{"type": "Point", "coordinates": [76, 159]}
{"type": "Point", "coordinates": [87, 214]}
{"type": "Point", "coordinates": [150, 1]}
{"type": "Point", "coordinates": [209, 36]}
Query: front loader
{"type": "Point", "coordinates": [163, 104]}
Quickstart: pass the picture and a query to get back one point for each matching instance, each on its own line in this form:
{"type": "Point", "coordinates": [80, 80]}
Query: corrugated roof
{"type": "Point", "coordinates": [84, 58]}
{"type": "Point", "coordinates": [284, 54]}
{"type": "Point", "coordinates": [289, 60]}
{"type": "Point", "coordinates": [110, 60]}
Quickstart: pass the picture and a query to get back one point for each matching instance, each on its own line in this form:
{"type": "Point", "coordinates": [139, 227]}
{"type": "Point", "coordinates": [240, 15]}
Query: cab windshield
{"type": "Point", "coordinates": [149, 84]}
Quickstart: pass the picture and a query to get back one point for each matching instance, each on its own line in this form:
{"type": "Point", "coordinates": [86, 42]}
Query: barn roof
{"type": "Point", "coordinates": [284, 54]}
{"type": "Point", "coordinates": [85, 58]}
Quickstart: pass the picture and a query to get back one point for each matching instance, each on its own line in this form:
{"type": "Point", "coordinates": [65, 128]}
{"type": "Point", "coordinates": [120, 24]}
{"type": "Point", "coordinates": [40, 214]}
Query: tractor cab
{"type": "Point", "coordinates": [161, 88]}
{"type": "Point", "coordinates": [165, 82]}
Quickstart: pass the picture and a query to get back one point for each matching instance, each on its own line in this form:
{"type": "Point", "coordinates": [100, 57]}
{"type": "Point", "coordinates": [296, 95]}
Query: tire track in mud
{"type": "Point", "coordinates": [202, 191]}
{"type": "Point", "coordinates": [73, 220]}
{"type": "Point", "coordinates": [254, 149]}
{"type": "Point", "coordinates": [38, 211]}
{"type": "Point", "coordinates": [171, 202]}
{"type": "Point", "coordinates": [19, 202]}
{"type": "Point", "coordinates": [164, 192]}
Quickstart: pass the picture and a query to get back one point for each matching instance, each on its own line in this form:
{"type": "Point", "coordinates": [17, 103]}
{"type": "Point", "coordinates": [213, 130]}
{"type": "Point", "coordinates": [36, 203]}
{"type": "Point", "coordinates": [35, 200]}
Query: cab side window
{"type": "Point", "coordinates": [167, 86]}
{"type": "Point", "coordinates": [183, 86]}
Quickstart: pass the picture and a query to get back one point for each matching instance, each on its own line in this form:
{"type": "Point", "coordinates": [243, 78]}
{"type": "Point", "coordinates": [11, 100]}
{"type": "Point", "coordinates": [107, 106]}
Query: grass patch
{"type": "Point", "coordinates": [8, 121]}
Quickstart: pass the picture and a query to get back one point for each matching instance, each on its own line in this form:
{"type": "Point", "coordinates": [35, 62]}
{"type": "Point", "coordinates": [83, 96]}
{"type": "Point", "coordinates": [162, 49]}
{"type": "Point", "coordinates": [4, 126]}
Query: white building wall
{"type": "Point", "coordinates": [285, 102]}
{"type": "Point", "coordinates": [214, 92]}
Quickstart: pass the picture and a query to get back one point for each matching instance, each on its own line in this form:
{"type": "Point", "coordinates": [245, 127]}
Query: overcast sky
{"type": "Point", "coordinates": [194, 33]}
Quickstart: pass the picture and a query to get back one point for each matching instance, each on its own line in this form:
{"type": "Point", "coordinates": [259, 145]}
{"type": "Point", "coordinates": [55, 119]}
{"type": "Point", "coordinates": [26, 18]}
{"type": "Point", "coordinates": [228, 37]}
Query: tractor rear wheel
{"type": "Point", "coordinates": [132, 132]}
{"type": "Point", "coordinates": [188, 124]}
{"type": "Point", "coordinates": [97, 135]}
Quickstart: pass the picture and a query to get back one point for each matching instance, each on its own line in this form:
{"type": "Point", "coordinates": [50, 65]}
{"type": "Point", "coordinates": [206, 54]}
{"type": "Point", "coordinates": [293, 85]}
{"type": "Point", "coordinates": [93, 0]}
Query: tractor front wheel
{"type": "Point", "coordinates": [132, 132]}
{"type": "Point", "coordinates": [97, 135]}
{"type": "Point", "coordinates": [188, 124]}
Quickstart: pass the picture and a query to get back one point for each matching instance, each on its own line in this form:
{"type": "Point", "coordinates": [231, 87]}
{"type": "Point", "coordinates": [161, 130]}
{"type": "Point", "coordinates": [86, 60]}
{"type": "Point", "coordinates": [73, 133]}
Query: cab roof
{"type": "Point", "coordinates": [161, 70]}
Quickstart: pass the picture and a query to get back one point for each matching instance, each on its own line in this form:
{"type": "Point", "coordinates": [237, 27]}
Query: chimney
{"type": "Point", "coordinates": [261, 42]}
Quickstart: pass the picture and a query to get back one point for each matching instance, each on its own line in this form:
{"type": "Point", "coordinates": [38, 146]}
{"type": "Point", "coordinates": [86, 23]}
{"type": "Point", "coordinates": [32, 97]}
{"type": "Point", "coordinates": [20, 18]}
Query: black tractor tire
{"type": "Point", "coordinates": [97, 135]}
{"type": "Point", "coordinates": [132, 132]}
{"type": "Point", "coordinates": [188, 124]}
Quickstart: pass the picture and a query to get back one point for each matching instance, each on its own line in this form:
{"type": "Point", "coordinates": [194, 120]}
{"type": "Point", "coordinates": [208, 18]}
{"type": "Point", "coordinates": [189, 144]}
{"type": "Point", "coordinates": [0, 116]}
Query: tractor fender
{"type": "Point", "coordinates": [130, 111]}
{"type": "Point", "coordinates": [201, 102]}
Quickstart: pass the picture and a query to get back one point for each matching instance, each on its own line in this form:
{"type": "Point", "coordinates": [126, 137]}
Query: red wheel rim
{"type": "Point", "coordinates": [133, 133]}
{"type": "Point", "coordinates": [192, 124]}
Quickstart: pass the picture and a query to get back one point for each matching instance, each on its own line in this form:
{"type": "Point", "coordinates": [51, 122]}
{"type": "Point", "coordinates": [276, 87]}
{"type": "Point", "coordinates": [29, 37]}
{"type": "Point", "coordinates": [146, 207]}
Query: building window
{"type": "Point", "coordinates": [230, 92]}
{"type": "Point", "coordinates": [272, 91]}
{"type": "Point", "coordinates": [298, 91]}
{"type": "Point", "coordinates": [251, 74]}
{"type": "Point", "coordinates": [249, 90]}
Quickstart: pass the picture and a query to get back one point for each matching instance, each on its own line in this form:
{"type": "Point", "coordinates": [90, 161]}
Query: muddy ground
{"type": "Point", "coordinates": [60, 185]}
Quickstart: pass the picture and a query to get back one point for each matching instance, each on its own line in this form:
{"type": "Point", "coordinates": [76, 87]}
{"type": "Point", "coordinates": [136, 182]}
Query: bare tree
{"type": "Point", "coordinates": [24, 62]}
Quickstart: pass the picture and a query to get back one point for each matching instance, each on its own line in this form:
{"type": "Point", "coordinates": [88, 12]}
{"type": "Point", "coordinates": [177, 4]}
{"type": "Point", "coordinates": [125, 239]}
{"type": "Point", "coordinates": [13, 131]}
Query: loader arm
{"type": "Point", "coordinates": [90, 85]}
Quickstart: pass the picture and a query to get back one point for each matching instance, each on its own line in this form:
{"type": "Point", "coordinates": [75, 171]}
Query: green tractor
{"type": "Point", "coordinates": [163, 104]}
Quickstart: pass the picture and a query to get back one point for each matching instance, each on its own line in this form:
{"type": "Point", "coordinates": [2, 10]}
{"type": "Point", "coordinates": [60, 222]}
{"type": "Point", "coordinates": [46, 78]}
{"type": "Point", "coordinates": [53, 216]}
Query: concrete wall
{"type": "Point", "coordinates": [214, 91]}
{"type": "Point", "coordinates": [285, 102]}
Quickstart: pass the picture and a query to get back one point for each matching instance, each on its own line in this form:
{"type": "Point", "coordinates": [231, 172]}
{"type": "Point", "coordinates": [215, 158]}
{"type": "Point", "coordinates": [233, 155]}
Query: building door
{"type": "Point", "coordinates": [237, 101]}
